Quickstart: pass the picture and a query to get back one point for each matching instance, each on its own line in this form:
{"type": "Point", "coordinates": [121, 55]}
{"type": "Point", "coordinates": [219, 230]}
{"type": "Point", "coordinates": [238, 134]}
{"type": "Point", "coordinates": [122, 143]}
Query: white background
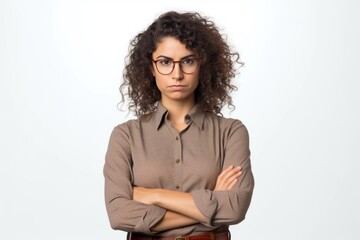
{"type": "Point", "coordinates": [60, 67]}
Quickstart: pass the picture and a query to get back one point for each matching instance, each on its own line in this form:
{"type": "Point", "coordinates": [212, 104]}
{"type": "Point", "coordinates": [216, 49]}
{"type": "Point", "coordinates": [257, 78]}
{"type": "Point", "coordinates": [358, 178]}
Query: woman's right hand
{"type": "Point", "coordinates": [228, 178]}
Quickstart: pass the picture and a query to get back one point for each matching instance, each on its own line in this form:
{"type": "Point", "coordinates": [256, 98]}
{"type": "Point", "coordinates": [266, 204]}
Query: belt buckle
{"type": "Point", "coordinates": [179, 238]}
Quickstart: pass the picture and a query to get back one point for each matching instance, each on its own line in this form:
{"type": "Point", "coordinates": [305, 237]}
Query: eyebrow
{"type": "Point", "coordinates": [166, 57]}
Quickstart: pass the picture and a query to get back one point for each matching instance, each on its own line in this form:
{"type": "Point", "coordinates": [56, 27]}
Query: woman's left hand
{"type": "Point", "coordinates": [228, 178]}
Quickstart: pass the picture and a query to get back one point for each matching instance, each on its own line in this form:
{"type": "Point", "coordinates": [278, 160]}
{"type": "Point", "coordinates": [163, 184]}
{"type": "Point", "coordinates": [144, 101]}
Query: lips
{"type": "Point", "coordinates": [176, 87]}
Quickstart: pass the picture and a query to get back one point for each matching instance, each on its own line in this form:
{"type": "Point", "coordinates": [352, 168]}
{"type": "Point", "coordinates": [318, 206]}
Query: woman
{"type": "Point", "coordinates": [180, 169]}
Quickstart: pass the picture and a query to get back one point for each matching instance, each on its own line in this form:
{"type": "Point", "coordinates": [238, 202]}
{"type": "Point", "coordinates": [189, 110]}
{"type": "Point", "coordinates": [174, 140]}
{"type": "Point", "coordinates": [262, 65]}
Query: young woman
{"type": "Point", "coordinates": [180, 170]}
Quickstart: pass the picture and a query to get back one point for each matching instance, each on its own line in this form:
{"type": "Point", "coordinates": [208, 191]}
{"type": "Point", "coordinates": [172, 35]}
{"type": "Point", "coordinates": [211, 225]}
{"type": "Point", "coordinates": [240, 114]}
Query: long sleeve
{"type": "Point", "coordinates": [230, 207]}
{"type": "Point", "coordinates": [148, 152]}
{"type": "Point", "coordinates": [124, 213]}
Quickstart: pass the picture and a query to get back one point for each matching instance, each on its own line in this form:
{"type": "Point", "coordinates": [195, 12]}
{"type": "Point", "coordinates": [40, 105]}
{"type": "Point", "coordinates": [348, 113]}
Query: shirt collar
{"type": "Point", "coordinates": [159, 115]}
{"type": "Point", "coordinates": [196, 115]}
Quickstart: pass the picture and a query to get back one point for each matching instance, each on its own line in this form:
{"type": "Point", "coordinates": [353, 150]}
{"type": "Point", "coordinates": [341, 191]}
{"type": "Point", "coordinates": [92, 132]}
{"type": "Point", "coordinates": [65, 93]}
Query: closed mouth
{"type": "Point", "coordinates": [176, 86]}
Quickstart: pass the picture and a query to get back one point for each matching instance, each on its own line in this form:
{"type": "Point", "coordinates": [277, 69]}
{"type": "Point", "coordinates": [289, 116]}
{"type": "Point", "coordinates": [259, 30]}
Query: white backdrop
{"type": "Point", "coordinates": [60, 67]}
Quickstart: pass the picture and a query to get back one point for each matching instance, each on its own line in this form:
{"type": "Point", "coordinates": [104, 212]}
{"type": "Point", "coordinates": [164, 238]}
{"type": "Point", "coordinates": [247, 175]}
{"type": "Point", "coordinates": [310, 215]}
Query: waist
{"type": "Point", "coordinates": [203, 236]}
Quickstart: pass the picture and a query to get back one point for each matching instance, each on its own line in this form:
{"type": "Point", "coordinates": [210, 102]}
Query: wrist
{"type": "Point", "coordinates": [156, 196]}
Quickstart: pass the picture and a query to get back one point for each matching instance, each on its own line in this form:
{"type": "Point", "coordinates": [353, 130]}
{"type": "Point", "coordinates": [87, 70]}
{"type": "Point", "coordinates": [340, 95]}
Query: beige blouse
{"type": "Point", "coordinates": [149, 152]}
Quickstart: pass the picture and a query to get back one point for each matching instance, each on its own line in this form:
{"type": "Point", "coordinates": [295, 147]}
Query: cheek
{"type": "Point", "coordinates": [159, 81]}
{"type": "Point", "coordinates": [196, 80]}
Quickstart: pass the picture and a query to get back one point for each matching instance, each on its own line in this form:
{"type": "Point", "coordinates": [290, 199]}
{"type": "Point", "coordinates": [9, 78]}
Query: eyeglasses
{"type": "Point", "coordinates": [166, 66]}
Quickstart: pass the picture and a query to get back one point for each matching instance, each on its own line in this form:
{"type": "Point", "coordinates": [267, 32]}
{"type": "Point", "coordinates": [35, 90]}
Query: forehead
{"type": "Point", "coordinates": [172, 48]}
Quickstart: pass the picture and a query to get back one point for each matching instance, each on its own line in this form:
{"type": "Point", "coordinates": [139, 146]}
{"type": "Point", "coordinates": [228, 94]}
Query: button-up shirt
{"type": "Point", "coordinates": [149, 152]}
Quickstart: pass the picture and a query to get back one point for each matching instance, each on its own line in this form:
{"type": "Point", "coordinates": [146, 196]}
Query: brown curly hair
{"type": "Point", "coordinates": [198, 34]}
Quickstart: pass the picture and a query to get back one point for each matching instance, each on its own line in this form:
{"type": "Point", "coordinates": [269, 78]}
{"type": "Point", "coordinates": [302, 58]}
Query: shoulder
{"type": "Point", "coordinates": [228, 127]}
{"type": "Point", "coordinates": [224, 122]}
{"type": "Point", "coordinates": [135, 124]}
{"type": "Point", "coordinates": [126, 126]}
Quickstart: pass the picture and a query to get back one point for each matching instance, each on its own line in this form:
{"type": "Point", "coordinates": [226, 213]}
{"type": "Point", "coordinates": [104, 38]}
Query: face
{"type": "Point", "coordinates": [176, 86]}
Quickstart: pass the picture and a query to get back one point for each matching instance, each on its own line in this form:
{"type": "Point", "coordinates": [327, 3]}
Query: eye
{"type": "Point", "coordinates": [188, 61]}
{"type": "Point", "coordinates": [165, 62]}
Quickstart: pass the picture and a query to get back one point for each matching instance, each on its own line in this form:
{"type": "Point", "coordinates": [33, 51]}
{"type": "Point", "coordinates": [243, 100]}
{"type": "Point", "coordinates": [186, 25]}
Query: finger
{"type": "Point", "coordinates": [227, 177]}
{"type": "Point", "coordinates": [225, 171]}
{"type": "Point", "coordinates": [229, 182]}
{"type": "Point", "coordinates": [232, 184]}
{"type": "Point", "coordinates": [232, 177]}
{"type": "Point", "coordinates": [231, 172]}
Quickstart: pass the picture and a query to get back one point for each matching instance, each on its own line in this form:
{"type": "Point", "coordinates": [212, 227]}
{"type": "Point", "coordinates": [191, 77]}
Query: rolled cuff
{"type": "Point", "coordinates": [150, 219]}
{"type": "Point", "coordinates": [206, 203]}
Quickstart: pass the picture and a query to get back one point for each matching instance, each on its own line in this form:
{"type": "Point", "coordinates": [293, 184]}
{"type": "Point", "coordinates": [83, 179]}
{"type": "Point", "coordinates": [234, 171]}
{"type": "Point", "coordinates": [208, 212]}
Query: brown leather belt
{"type": "Point", "coordinates": [204, 236]}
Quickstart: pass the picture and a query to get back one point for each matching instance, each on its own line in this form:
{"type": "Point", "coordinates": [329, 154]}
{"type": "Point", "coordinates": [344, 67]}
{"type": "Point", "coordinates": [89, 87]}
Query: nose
{"type": "Point", "coordinates": [177, 73]}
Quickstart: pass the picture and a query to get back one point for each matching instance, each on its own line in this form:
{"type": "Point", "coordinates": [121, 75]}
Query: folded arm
{"type": "Point", "coordinates": [124, 213]}
{"type": "Point", "coordinates": [230, 207]}
{"type": "Point", "coordinates": [182, 210]}
{"type": "Point", "coordinates": [213, 207]}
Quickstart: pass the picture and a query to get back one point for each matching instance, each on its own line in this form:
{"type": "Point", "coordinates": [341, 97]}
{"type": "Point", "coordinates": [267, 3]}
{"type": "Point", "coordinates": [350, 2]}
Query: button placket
{"type": "Point", "coordinates": [177, 158]}
{"type": "Point", "coordinates": [177, 172]}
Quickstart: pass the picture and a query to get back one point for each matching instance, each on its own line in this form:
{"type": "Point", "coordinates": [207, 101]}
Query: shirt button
{"type": "Point", "coordinates": [177, 160]}
{"type": "Point", "coordinates": [176, 138]}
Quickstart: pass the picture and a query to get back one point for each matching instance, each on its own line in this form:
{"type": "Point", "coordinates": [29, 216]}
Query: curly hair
{"type": "Point", "coordinates": [198, 34]}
